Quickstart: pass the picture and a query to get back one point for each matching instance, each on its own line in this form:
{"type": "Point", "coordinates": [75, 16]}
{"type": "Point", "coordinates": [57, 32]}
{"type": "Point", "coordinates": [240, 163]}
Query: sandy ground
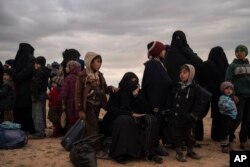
{"type": "Point", "coordinates": [49, 153]}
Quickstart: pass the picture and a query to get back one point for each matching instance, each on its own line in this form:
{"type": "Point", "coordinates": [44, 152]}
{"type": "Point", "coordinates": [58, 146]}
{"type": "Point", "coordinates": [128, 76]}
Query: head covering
{"type": "Point", "coordinates": [218, 56]}
{"type": "Point", "coordinates": [58, 80]}
{"type": "Point", "coordinates": [155, 48]}
{"type": "Point", "coordinates": [40, 60]}
{"type": "Point", "coordinates": [24, 57]}
{"type": "Point", "coordinates": [129, 82]}
{"type": "Point", "coordinates": [55, 65]}
{"type": "Point", "coordinates": [225, 85]}
{"type": "Point", "coordinates": [179, 39]}
{"type": "Point", "coordinates": [74, 67]}
{"type": "Point", "coordinates": [70, 54]}
{"type": "Point", "coordinates": [243, 48]}
{"type": "Point", "coordinates": [191, 70]}
{"type": "Point", "coordinates": [89, 57]}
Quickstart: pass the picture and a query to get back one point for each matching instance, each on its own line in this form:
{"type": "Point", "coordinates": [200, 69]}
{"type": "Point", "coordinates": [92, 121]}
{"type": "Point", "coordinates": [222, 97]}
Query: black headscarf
{"type": "Point", "coordinates": [218, 56]}
{"type": "Point", "coordinates": [179, 39]}
{"type": "Point", "coordinates": [129, 82]}
{"type": "Point", "coordinates": [24, 56]}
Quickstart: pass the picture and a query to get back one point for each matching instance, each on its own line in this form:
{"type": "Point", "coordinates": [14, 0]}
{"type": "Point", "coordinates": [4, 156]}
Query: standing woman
{"type": "Point", "coordinates": [23, 72]}
{"type": "Point", "coordinates": [212, 74]}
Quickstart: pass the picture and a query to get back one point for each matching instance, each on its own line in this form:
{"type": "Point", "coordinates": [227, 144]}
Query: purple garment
{"type": "Point", "coordinates": [68, 95]}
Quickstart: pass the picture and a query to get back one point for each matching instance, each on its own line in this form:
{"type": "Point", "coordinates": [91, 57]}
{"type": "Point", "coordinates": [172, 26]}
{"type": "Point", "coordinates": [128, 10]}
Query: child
{"type": "Point", "coordinates": [157, 85]}
{"type": "Point", "coordinates": [186, 110]}
{"type": "Point", "coordinates": [7, 96]}
{"type": "Point", "coordinates": [238, 73]}
{"type": "Point", "coordinates": [68, 93]}
{"type": "Point", "coordinates": [55, 107]}
{"type": "Point", "coordinates": [228, 110]}
{"type": "Point", "coordinates": [39, 88]}
{"type": "Point", "coordinates": [91, 89]}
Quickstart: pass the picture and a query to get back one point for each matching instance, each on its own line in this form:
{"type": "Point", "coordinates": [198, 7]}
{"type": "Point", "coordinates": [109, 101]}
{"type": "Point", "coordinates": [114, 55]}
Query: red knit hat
{"type": "Point", "coordinates": [155, 48]}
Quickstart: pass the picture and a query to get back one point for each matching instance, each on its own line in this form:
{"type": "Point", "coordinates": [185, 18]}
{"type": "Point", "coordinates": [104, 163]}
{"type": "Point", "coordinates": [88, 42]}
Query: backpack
{"type": "Point", "coordinates": [12, 138]}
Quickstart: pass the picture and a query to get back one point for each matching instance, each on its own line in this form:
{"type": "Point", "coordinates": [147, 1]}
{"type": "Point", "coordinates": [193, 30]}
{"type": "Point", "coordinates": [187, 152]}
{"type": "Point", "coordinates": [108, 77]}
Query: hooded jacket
{"type": "Point", "coordinates": [7, 95]}
{"type": "Point", "coordinates": [238, 73]}
{"type": "Point", "coordinates": [85, 81]}
{"type": "Point", "coordinates": [186, 102]}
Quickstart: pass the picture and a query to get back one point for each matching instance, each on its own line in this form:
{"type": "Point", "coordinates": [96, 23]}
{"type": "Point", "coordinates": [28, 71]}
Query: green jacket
{"type": "Point", "coordinates": [238, 72]}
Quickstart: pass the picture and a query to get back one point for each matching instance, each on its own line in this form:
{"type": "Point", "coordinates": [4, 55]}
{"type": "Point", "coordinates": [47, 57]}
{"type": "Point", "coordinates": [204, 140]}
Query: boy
{"type": "Point", "coordinates": [7, 96]}
{"type": "Point", "coordinates": [229, 113]}
{"type": "Point", "coordinates": [186, 110]}
{"type": "Point", "coordinates": [39, 88]}
{"type": "Point", "coordinates": [238, 73]}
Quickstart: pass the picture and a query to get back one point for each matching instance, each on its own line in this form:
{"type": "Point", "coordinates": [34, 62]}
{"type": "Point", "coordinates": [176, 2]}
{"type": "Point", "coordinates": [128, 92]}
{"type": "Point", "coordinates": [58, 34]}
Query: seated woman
{"type": "Point", "coordinates": [134, 132]}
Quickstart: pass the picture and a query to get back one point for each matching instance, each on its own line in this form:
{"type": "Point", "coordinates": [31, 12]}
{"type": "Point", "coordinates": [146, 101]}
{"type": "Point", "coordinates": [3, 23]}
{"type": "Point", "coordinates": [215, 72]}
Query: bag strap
{"type": "Point", "coordinates": [90, 139]}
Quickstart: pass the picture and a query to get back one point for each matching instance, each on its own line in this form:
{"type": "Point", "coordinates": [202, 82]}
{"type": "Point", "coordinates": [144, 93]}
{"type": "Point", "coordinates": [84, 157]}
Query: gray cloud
{"type": "Point", "coordinates": [120, 30]}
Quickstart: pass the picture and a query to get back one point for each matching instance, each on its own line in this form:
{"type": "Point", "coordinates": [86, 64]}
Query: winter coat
{"type": "Point", "coordinates": [179, 54]}
{"type": "Point", "coordinates": [40, 81]}
{"type": "Point", "coordinates": [54, 97]}
{"type": "Point", "coordinates": [186, 105]}
{"type": "Point", "coordinates": [156, 85]}
{"type": "Point", "coordinates": [238, 72]}
{"type": "Point", "coordinates": [7, 95]}
{"type": "Point", "coordinates": [68, 95]}
{"type": "Point", "coordinates": [227, 106]}
{"type": "Point", "coordinates": [23, 70]}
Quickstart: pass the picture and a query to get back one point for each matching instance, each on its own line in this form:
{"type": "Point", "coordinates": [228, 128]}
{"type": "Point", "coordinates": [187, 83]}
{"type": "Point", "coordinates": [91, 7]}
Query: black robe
{"type": "Point", "coordinates": [23, 70]}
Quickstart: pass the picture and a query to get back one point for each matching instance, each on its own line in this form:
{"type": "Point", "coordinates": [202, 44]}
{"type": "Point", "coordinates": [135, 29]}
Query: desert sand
{"type": "Point", "coordinates": [49, 153]}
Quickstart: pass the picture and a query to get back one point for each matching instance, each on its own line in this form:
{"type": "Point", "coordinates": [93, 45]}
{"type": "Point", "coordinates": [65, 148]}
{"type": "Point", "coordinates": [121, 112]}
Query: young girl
{"type": "Point", "coordinates": [229, 113]}
{"type": "Point", "coordinates": [55, 107]}
{"type": "Point", "coordinates": [68, 94]}
{"type": "Point", "coordinates": [186, 110]}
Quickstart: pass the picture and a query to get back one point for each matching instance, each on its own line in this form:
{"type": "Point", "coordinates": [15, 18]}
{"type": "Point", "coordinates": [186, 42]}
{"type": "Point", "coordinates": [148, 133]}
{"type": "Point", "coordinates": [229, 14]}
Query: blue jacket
{"type": "Point", "coordinates": [227, 106]}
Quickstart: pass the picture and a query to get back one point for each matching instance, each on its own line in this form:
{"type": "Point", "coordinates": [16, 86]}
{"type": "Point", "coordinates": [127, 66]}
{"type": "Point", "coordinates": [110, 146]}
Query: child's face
{"type": "Point", "coordinates": [37, 66]}
{"type": "Point", "coordinates": [184, 75]}
{"type": "Point", "coordinates": [96, 64]}
{"type": "Point", "coordinates": [53, 84]}
{"type": "Point", "coordinates": [240, 54]}
{"type": "Point", "coordinates": [228, 91]}
{"type": "Point", "coordinates": [6, 77]}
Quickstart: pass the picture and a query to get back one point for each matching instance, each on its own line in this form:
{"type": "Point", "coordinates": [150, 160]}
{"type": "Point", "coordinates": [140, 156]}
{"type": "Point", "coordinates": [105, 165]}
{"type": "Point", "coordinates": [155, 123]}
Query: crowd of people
{"type": "Point", "coordinates": [167, 109]}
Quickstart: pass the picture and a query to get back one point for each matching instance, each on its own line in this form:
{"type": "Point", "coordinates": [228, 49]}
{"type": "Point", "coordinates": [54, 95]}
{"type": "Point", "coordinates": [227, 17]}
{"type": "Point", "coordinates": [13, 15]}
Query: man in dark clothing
{"type": "Point", "coordinates": [23, 69]}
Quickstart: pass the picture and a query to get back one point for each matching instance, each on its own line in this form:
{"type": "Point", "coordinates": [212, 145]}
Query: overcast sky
{"type": "Point", "coordinates": [120, 30]}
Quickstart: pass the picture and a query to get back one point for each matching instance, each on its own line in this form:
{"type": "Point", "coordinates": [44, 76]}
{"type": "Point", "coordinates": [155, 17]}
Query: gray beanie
{"type": "Point", "coordinates": [225, 85]}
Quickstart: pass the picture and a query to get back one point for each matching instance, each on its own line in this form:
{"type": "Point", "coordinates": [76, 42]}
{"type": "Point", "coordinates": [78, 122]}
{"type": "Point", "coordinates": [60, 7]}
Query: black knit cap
{"type": "Point", "coordinates": [40, 60]}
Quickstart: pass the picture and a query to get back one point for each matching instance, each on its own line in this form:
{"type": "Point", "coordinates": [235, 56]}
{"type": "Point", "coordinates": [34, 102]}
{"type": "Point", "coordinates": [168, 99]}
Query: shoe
{"type": "Point", "coordinates": [193, 155]}
{"type": "Point", "coordinates": [121, 160]}
{"type": "Point", "coordinates": [225, 150]}
{"type": "Point", "coordinates": [155, 158]}
{"type": "Point", "coordinates": [180, 157]}
{"type": "Point", "coordinates": [244, 147]}
{"type": "Point", "coordinates": [102, 155]}
{"type": "Point", "coordinates": [160, 150]}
